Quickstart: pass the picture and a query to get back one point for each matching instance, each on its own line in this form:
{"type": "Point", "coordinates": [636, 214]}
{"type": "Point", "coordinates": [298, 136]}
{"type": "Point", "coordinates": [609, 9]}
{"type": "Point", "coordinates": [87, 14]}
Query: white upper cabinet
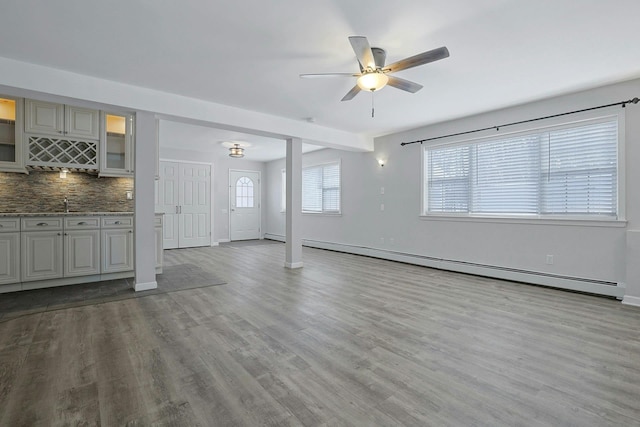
{"type": "Point", "coordinates": [11, 123]}
{"type": "Point", "coordinates": [116, 144]}
{"type": "Point", "coordinates": [81, 122]}
{"type": "Point", "coordinates": [61, 120]}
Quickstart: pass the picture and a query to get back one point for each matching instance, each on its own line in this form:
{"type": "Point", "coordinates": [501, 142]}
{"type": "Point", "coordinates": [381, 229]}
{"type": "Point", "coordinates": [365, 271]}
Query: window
{"type": "Point", "coordinates": [244, 192]}
{"type": "Point", "coordinates": [569, 170]}
{"type": "Point", "coordinates": [321, 188]}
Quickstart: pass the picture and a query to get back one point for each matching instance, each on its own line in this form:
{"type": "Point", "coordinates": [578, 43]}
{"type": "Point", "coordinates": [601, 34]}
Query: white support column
{"type": "Point", "coordinates": [293, 234]}
{"type": "Point", "coordinates": [144, 175]}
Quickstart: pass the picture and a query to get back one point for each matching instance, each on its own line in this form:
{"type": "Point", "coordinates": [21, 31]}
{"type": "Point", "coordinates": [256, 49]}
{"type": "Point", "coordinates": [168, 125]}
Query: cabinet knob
{"type": "Point", "coordinates": [60, 234]}
{"type": "Point", "coordinates": [66, 234]}
{"type": "Point", "coordinates": [130, 231]}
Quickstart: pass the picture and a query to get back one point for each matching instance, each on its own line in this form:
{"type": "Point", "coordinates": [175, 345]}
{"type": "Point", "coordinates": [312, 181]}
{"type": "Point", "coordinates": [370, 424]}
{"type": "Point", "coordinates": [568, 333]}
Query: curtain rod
{"type": "Point", "coordinates": [623, 103]}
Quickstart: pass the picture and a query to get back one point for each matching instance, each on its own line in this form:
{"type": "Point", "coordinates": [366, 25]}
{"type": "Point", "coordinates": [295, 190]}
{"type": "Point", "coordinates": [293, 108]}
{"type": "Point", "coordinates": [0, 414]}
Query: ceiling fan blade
{"type": "Point", "coordinates": [353, 92]}
{"type": "Point", "coordinates": [419, 59]}
{"type": "Point", "coordinates": [361, 47]}
{"type": "Point", "coordinates": [403, 84]}
{"type": "Point", "coordinates": [313, 76]}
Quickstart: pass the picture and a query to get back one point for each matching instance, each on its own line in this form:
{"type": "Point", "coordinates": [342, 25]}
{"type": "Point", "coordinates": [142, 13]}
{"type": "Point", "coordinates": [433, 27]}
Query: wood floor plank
{"type": "Point", "coordinates": [346, 340]}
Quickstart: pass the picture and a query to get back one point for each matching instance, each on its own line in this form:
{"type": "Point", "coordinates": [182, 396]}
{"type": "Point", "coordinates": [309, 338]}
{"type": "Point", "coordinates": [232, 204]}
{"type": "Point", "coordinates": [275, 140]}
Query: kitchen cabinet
{"type": "Point", "coordinates": [81, 246]}
{"type": "Point", "coordinates": [9, 252]}
{"type": "Point", "coordinates": [117, 244]}
{"type": "Point", "coordinates": [41, 248]}
{"type": "Point", "coordinates": [158, 241]}
{"type": "Point", "coordinates": [61, 120]}
{"type": "Point", "coordinates": [116, 144]}
{"type": "Point", "coordinates": [11, 124]}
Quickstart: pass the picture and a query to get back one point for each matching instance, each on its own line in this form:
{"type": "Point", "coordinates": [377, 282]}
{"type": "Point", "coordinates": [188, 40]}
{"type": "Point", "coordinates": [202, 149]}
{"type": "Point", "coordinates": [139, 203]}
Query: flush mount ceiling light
{"type": "Point", "coordinates": [236, 151]}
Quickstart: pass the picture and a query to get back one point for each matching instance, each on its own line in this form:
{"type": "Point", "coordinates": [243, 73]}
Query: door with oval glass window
{"type": "Point", "coordinates": [244, 205]}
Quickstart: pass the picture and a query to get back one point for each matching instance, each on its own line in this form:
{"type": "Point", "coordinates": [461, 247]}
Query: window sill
{"type": "Point", "coordinates": [614, 223]}
{"type": "Point", "coordinates": [322, 213]}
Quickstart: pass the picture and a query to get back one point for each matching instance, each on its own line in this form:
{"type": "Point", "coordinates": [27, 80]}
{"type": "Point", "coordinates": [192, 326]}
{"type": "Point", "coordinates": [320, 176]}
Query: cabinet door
{"type": "Point", "coordinates": [116, 145]}
{"type": "Point", "coordinates": [117, 250]}
{"type": "Point", "coordinates": [44, 117]}
{"type": "Point", "coordinates": [81, 122]}
{"type": "Point", "coordinates": [9, 258]}
{"type": "Point", "coordinates": [11, 125]}
{"type": "Point", "coordinates": [158, 246]}
{"type": "Point", "coordinates": [81, 253]}
{"type": "Point", "coordinates": [41, 255]}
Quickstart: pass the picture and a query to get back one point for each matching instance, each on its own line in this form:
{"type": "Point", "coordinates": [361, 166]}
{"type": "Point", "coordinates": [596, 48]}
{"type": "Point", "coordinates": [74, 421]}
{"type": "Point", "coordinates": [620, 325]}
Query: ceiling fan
{"type": "Point", "coordinates": [374, 75]}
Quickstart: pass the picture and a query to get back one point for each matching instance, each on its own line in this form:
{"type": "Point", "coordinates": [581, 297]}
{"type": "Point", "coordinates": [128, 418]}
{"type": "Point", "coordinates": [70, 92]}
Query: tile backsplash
{"type": "Point", "coordinates": [45, 192]}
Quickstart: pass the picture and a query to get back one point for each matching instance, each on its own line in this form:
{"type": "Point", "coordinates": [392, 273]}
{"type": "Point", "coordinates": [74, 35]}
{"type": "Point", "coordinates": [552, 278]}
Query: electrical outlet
{"type": "Point", "coordinates": [381, 190]}
{"type": "Point", "coordinates": [382, 206]}
{"type": "Point", "coordinates": [129, 195]}
{"type": "Point", "coordinates": [550, 259]}
{"type": "Point", "coordinates": [382, 240]}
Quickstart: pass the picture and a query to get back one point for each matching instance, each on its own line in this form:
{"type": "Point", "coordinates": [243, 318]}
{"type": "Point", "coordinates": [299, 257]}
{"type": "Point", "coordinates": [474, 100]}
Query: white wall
{"type": "Point", "coordinates": [220, 182]}
{"type": "Point", "coordinates": [580, 251]}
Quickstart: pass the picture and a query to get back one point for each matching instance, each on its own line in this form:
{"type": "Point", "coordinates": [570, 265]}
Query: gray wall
{"type": "Point", "coordinates": [220, 182]}
{"type": "Point", "coordinates": [579, 250]}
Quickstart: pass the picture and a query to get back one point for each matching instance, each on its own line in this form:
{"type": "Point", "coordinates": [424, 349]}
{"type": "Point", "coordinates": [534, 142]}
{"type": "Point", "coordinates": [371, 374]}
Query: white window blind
{"type": "Point", "coordinates": [564, 171]}
{"type": "Point", "coordinates": [321, 188]}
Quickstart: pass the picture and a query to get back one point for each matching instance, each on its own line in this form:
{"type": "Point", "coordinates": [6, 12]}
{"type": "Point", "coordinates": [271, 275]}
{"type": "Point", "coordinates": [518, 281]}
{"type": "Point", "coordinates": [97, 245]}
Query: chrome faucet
{"type": "Point", "coordinates": [66, 205]}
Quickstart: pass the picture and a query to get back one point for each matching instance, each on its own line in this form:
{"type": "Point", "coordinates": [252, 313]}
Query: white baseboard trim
{"type": "Point", "coordinates": [213, 244]}
{"type": "Point", "coordinates": [532, 277]}
{"type": "Point", "coordinates": [223, 240]}
{"type": "Point", "coordinates": [628, 300]}
{"type": "Point", "coordinates": [293, 265]}
{"type": "Point", "coordinates": [145, 286]}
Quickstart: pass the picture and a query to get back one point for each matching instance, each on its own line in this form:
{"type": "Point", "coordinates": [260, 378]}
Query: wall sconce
{"type": "Point", "coordinates": [381, 162]}
{"type": "Point", "coordinates": [63, 173]}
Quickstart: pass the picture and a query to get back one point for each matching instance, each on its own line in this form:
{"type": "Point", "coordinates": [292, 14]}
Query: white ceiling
{"type": "Point", "coordinates": [203, 139]}
{"type": "Point", "coordinates": [249, 53]}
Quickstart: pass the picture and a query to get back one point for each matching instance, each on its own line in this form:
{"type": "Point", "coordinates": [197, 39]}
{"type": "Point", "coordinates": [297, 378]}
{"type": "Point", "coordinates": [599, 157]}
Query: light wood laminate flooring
{"type": "Point", "coordinates": [346, 340]}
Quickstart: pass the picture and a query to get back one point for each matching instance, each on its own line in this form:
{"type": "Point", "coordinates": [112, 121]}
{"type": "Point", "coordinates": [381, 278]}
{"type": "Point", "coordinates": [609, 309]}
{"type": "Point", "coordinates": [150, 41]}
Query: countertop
{"type": "Point", "coordinates": [25, 214]}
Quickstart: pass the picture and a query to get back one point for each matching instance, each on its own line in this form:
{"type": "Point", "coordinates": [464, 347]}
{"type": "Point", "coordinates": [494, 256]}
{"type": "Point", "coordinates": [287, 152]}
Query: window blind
{"type": "Point", "coordinates": [566, 171]}
{"type": "Point", "coordinates": [321, 188]}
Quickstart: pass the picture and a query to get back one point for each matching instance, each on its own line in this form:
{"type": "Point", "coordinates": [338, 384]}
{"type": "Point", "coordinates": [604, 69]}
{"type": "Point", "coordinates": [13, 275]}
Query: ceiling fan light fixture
{"type": "Point", "coordinates": [236, 151]}
{"type": "Point", "coordinates": [372, 81]}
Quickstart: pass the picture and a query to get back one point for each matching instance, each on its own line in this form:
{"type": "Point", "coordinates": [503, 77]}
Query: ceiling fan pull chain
{"type": "Point", "coordinates": [372, 106]}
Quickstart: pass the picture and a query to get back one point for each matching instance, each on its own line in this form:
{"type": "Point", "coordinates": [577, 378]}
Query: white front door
{"type": "Point", "coordinates": [183, 195]}
{"type": "Point", "coordinates": [244, 205]}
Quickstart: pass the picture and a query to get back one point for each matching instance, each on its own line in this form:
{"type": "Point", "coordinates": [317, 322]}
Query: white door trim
{"type": "Point", "coordinates": [213, 242]}
{"type": "Point", "coordinates": [229, 199]}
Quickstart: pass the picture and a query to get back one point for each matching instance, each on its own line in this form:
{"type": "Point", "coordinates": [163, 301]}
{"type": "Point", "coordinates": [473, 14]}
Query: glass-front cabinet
{"type": "Point", "coordinates": [11, 120]}
{"type": "Point", "coordinates": [116, 152]}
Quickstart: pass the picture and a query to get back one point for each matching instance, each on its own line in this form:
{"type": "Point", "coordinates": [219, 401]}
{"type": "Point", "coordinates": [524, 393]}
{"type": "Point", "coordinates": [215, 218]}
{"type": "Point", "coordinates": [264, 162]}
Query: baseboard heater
{"type": "Point", "coordinates": [532, 277]}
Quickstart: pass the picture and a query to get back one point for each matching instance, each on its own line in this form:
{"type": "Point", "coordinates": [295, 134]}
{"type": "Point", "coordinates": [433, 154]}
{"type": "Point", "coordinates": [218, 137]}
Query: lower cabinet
{"type": "Point", "coordinates": [9, 258]}
{"type": "Point", "coordinates": [45, 251]}
{"type": "Point", "coordinates": [41, 255]}
{"type": "Point", "coordinates": [117, 250]}
{"type": "Point", "coordinates": [81, 253]}
{"type": "Point", "coordinates": [158, 242]}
